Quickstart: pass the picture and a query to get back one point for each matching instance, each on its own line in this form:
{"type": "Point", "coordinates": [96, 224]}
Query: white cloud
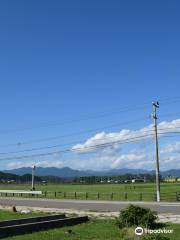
{"type": "Point", "coordinates": [48, 163]}
{"type": "Point", "coordinates": [115, 155]}
{"type": "Point", "coordinates": [134, 159]}
{"type": "Point", "coordinates": [19, 164]}
{"type": "Point", "coordinates": [93, 143]}
{"type": "Point", "coordinates": [126, 159]}
{"type": "Point", "coordinates": [171, 148]}
{"type": "Point", "coordinates": [45, 163]}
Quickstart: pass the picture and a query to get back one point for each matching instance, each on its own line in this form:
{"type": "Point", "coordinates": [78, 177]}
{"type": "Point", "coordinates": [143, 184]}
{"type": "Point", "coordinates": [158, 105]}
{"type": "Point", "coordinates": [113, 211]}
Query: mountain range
{"type": "Point", "coordinates": [67, 172]}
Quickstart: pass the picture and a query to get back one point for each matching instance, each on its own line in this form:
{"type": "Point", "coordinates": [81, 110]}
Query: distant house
{"type": "Point", "coordinates": [110, 180]}
{"type": "Point", "coordinates": [44, 182]}
{"type": "Point", "coordinates": [172, 179]}
{"type": "Point", "coordinates": [102, 181]}
{"type": "Point", "coordinates": [127, 181]}
{"type": "Point", "coordinates": [138, 180]}
{"type": "Point", "coordinates": [11, 181]}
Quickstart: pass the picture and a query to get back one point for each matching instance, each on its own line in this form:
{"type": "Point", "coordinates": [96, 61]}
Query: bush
{"type": "Point", "coordinates": [137, 216]}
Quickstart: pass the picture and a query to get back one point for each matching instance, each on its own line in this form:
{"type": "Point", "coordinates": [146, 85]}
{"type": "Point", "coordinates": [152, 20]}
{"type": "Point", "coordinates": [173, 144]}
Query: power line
{"type": "Point", "coordinates": [74, 133]}
{"type": "Point", "coordinates": [95, 116]}
{"type": "Point", "coordinates": [55, 146]}
{"type": "Point", "coordinates": [169, 114]}
{"type": "Point", "coordinates": [70, 150]}
{"type": "Point", "coordinates": [102, 139]}
{"type": "Point", "coordinates": [89, 148]}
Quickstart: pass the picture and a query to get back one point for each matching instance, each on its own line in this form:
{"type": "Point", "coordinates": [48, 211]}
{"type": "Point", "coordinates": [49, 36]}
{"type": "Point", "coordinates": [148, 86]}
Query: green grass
{"type": "Point", "coordinates": [97, 229]}
{"type": "Point", "coordinates": [93, 230]}
{"type": "Point", "coordinates": [7, 215]}
{"type": "Point", "coordinates": [105, 191]}
{"type": "Point", "coordinates": [176, 233]}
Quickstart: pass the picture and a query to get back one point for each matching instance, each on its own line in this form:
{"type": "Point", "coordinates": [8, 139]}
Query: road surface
{"type": "Point", "coordinates": [89, 205]}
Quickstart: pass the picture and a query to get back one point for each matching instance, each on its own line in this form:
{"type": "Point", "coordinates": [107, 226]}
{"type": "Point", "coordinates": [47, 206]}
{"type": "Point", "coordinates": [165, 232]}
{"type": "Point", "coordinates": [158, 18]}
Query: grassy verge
{"type": "Point", "coordinates": [93, 230]}
{"type": "Point", "coordinates": [7, 215]}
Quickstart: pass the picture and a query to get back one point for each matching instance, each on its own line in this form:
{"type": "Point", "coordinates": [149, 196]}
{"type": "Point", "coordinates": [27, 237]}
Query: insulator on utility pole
{"type": "Point", "coordinates": [155, 105]}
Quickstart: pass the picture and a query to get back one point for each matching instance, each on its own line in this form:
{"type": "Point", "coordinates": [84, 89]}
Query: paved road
{"type": "Point", "coordinates": [101, 206]}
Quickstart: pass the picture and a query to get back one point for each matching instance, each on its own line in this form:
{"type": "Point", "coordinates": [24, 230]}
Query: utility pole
{"type": "Point", "coordinates": [155, 105]}
{"type": "Point", "coordinates": [33, 173]}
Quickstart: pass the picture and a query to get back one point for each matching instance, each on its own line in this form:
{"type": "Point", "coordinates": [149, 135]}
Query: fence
{"type": "Point", "coordinates": [117, 196]}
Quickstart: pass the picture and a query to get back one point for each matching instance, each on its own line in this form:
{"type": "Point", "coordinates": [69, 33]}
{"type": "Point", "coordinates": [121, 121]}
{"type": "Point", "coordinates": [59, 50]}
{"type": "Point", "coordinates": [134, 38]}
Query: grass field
{"type": "Point", "coordinates": [136, 192]}
{"type": "Point", "coordinates": [93, 230]}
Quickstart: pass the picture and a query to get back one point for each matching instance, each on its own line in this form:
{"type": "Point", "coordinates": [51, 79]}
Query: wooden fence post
{"type": "Point", "coordinates": [112, 195]}
{"type": "Point", "coordinates": [98, 195]}
{"type": "Point", "coordinates": [86, 195]}
{"type": "Point", "coordinates": [125, 196]}
{"type": "Point", "coordinates": [177, 196]}
{"type": "Point", "coordinates": [155, 197]}
{"type": "Point", "coordinates": [140, 196]}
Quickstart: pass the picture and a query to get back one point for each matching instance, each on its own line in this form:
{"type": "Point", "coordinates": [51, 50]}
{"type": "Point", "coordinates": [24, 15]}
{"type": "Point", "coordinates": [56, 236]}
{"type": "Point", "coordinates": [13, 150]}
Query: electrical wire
{"type": "Point", "coordinates": [102, 139]}
{"type": "Point", "coordinates": [95, 116]}
{"type": "Point", "coordinates": [81, 150]}
{"type": "Point", "coordinates": [70, 150]}
{"type": "Point", "coordinates": [85, 118]}
{"type": "Point", "coordinates": [74, 133]}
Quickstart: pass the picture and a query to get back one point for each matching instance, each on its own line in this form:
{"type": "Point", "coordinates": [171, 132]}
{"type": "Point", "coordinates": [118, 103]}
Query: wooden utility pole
{"type": "Point", "coordinates": [154, 115]}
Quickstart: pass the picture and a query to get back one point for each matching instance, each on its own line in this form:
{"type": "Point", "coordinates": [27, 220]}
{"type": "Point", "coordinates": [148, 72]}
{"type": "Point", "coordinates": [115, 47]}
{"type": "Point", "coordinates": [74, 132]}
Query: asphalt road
{"type": "Point", "coordinates": [100, 206]}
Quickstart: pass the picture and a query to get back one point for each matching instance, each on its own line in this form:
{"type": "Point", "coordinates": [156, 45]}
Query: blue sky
{"type": "Point", "coordinates": [68, 60]}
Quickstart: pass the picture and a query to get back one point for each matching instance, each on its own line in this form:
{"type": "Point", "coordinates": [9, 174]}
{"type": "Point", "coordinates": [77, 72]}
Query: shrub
{"type": "Point", "coordinates": [136, 216]}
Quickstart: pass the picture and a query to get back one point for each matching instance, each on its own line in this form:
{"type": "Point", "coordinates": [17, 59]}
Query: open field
{"type": "Point", "coordinates": [133, 192]}
{"type": "Point", "coordinates": [94, 229]}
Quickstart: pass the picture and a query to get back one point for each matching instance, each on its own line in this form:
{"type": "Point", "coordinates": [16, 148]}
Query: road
{"type": "Point", "coordinates": [89, 205]}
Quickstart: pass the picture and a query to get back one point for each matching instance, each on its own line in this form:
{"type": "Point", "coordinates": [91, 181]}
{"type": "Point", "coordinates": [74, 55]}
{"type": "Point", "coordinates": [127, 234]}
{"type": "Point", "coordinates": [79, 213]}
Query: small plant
{"type": "Point", "coordinates": [14, 209]}
{"type": "Point", "coordinates": [137, 216]}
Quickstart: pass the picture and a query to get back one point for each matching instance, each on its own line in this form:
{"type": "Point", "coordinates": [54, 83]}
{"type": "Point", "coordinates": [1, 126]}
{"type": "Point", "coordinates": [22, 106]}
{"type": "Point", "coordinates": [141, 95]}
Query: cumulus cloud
{"type": "Point", "coordinates": [104, 139]}
{"type": "Point", "coordinates": [116, 155]}
{"type": "Point", "coordinates": [45, 163]}
{"type": "Point", "coordinates": [171, 148]}
{"type": "Point", "coordinates": [126, 159]}
{"type": "Point", "coordinates": [19, 164]}
{"type": "Point", "coordinates": [105, 160]}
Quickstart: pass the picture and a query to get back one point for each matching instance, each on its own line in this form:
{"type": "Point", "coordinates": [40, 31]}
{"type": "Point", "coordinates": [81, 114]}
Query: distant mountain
{"type": "Point", "coordinates": [171, 172]}
{"type": "Point", "coordinates": [67, 172]}
{"type": "Point", "coordinates": [6, 177]}
{"type": "Point", "coordinates": [50, 171]}
{"type": "Point", "coordinates": [123, 171]}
